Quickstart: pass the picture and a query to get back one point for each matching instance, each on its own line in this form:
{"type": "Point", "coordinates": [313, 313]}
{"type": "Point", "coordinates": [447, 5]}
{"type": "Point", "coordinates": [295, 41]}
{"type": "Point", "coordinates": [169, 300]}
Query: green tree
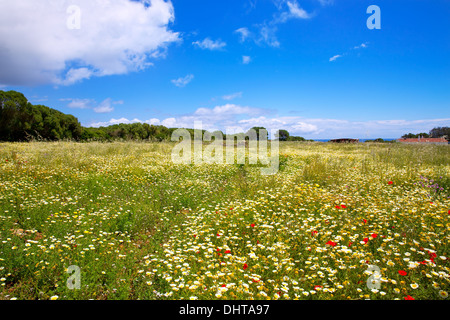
{"type": "Point", "coordinates": [439, 132]}
{"type": "Point", "coordinates": [282, 135]}
{"type": "Point", "coordinates": [259, 131]}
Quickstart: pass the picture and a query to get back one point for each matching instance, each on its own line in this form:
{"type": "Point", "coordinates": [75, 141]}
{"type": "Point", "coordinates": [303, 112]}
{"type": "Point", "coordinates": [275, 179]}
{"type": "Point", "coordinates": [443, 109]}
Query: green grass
{"type": "Point", "coordinates": [140, 227]}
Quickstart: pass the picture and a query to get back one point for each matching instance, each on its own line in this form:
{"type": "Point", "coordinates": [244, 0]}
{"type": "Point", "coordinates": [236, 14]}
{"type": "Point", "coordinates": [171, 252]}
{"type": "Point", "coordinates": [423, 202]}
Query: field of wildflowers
{"type": "Point", "coordinates": [360, 221]}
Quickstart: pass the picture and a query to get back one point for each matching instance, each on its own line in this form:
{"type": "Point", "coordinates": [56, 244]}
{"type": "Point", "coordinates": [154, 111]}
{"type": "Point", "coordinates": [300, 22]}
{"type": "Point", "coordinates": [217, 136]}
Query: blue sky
{"type": "Point", "coordinates": [312, 67]}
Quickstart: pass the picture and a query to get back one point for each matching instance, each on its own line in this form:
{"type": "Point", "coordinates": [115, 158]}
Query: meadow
{"type": "Point", "coordinates": [356, 221]}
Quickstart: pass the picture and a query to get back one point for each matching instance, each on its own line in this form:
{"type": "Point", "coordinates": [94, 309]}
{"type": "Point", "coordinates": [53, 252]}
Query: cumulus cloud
{"type": "Point", "coordinates": [183, 81]}
{"type": "Point", "coordinates": [217, 118]}
{"type": "Point", "coordinates": [210, 44]}
{"type": "Point", "coordinates": [38, 46]}
{"type": "Point", "coordinates": [232, 118]}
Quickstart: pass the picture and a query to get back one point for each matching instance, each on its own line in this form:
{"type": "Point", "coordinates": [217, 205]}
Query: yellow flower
{"type": "Point", "coordinates": [414, 285]}
{"type": "Point", "coordinates": [53, 297]}
{"type": "Point", "coordinates": [443, 294]}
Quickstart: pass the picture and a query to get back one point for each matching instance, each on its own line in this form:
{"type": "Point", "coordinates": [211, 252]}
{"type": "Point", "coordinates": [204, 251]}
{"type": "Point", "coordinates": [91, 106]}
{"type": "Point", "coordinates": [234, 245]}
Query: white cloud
{"type": "Point", "coordinates": [333, 58]}
{"type": "Point", "coordinates": [115, 37]}
{"type": "Point", "coordinates": [268, 35]}
{"type": "Point", "coordinates": [104, 107]}
{"type": "Point", "coordinates": [155, 122]}
{"type": "Point", "coordinates": [326, 2]}
{"type": "Point", "coordinates": [183, 81]}
{"type": "Point", "coordinates": [76, 75]}
{"type": "Point", "coordinates": [231, 118]}
{"type": "Point", "coordinates": [266, 32]}
{"type": "Point", "coordinates": [292, 124]}
{"type": "Point", "coordinates": [297, 12]}
{"type": "Point", "coordinates": [114, 121]}
{"type": "Point", "coordinates": [246, 59]}
{"type": "Point", "coordinates": [232, 96]}
{"type": "Point", "coordinates": [79, 103]}
{"type": "Point", "coordinates": [362, 45]}
{"type": "Point", "coordinates": [212, 118]}
{"type": "Point", "coordinates": [244, 32]}
{"type": "Point", "coordinates": [210, 44]}
{"type": "Point", "coordinates": [227, 110]}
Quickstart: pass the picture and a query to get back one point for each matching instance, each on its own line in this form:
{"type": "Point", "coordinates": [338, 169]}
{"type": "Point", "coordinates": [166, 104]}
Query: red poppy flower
{"type": "Point", "coordinates": [331, 243]}
{"type": "Point", "coordinates": [350, 244]}
{"type": "Point", "coordinates": [224, 285]}
{"type": "Point", "coordinates": [314, 232]}
{"type": "Point", "coordinates": [364, 220]}
{"type": "Point", "coordinates": [374, 235]}
{"type": "Point", "coordinates": [252, 225]}
{"type": "Point", "coordinates": [343, 206]}
{"type": "Point", "coordinates": [409, 298]}
{"type": "Point", "coordinates": [366, 240]}
{"type": "Point", "coordinates": [402, 272]}
{"type": "Point", "coordinates": [218, 235]}
{"type": "Point", "coordinates": [390, 182]}
{"type": "Point", "coordinates": [245, 266]}
{"type": "Point", "coordinates": [227, 251]}
{"type": "Point", "coordinates": [338, 207]}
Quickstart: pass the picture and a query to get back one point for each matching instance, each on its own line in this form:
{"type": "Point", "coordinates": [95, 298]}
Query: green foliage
{"type": "Point", "coordinates": [440, 132]}
{"type": "Point", "coordinates": [258, 132]}
{"type": "Point", "coordinates": [282, 135]}
{"type": "Point", "coordinates": [21, 121]}
{"type": "Point", "coordinates": [414, 136]}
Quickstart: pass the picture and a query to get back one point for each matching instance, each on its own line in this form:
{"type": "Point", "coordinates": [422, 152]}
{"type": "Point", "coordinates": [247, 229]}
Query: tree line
{"type": "Point", "coordinates": [22, 121]}
{"type": "Point", "coordinates": [437, 132]}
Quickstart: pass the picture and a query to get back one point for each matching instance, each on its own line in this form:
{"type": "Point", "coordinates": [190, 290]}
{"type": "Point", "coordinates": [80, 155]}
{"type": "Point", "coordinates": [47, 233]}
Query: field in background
{"type": "Point", "coordinates": [139, 227]}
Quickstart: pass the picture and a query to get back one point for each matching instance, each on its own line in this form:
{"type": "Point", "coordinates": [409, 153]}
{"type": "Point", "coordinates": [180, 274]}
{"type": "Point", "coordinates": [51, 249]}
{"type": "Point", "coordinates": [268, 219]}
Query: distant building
{"type": "Point", "coordinates": [425, 140]}
{"type": "Point", "coordinates": [345, 140]}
